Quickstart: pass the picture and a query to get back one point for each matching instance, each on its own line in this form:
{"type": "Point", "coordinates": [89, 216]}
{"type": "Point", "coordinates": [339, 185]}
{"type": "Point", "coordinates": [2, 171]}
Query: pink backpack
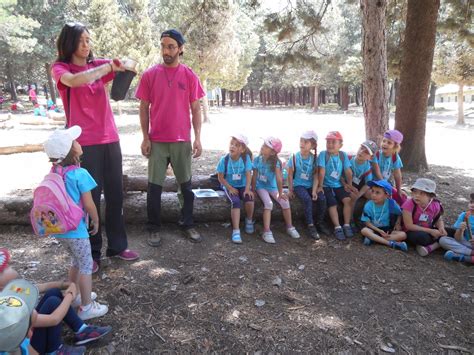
{"type": "Point", "coordinates": [54, 211]}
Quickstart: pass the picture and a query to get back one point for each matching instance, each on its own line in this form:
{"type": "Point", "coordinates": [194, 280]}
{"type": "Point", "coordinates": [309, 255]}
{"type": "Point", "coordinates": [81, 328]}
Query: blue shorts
{"type": "Point", "coordinates": [334, 195]}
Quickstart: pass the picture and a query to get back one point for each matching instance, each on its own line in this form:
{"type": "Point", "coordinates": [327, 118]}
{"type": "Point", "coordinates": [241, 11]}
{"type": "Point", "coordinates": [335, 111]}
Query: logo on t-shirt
{"type": "Point", "coordinates": [181, 85]}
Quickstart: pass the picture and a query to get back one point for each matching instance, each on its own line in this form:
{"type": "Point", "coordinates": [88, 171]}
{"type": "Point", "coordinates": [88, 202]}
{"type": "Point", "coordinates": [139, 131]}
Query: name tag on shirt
{"type": "Point", "coordinates": [386, 174]}
{"type": "Point", "coordinates": [236, 177]}
{"type": "Point", "coordinates": [424, 217]}
{"type": "Point", "coordinates": [356, 180]}
{"type": "Point", "coordinates": [335, 175]}
{"type": "Point", "coordinates": [304, 176]}
{"type": "Point", "coordinates": [262, 178]}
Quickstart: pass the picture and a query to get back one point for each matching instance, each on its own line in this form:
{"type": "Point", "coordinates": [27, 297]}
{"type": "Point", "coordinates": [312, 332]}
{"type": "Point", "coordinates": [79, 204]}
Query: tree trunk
{"type": "Point", "coordinates": [269, 97]}
{"type": "Point", "coordinates": [323, 96]}
{"type": "Point", "coordinates": [460, 120]}
{"type": "Point", "coordinates": [432, 97]}
{"type": "Point", "coordinates": [205, 104]}
{"type": "Point", "coordinates": [316, 98]}
{"type": "Point", "coordinates": [262, 97]}
{"type": "Point", "coordinates": [223, 92]}
{"type": "Point", "coordinates": [242, 96]}
{"type": "Point", "coordinates": [252, 100]}
{"type": "Point", "coordinates": [374, 53]}
{"type": "Point", "coordinates": [415, 75]}
{"type": "Point", "coordinates": [344, 93]}
{"type": "Point", "coordinates": [357, 95]}
{"type": "Point", "coordinates": [231, 94]}
{"type": "Point", "coordinates": [47, 67]}
{"type": "Point", "coordinates": [12, 82]}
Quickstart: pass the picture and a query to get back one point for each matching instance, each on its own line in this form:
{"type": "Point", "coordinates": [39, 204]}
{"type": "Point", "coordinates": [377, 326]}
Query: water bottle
{"type": "Point", "coordinates": [123, 79]}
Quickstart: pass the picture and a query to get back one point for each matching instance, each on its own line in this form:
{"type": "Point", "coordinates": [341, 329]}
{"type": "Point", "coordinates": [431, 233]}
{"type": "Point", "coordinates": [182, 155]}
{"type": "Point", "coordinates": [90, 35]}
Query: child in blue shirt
{"type": "Point", "coordinates": [267, 181]}
{"type": "Point", "coordinates": [382, 217]}
{"type": "Point", "coordinates": [235, 179]}
{"type": "Point", "coordinates": [333, 164]}
{"type": "Point", "coordinates": [303, 181]}
{"type": "Point", "coordinates": [461, 247]}
{"type": "Point", "coordinates": [387, 163]}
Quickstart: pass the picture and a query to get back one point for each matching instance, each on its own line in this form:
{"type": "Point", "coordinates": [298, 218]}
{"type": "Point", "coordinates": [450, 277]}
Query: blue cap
{"type": "Point", "coordinates": [383, 184]}
{"type": "Point", "coordinates": [175, 34]}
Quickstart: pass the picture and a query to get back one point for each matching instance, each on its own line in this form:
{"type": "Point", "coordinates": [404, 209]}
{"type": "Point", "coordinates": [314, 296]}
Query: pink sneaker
{"type": "Point", "coordinates": [128, 255]}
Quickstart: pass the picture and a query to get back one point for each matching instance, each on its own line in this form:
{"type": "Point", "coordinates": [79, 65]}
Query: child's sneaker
{"type": "Point", "coordinates": [94, 310]}
{"type": "Point", "coordinates": [249, 226]}
{"type": "Point", "coordinates": [236, 238]}
{"type": "Point", "coordinates": [423, 251]}
{"type": "Point", "coordinates": [339, 234]}
{"type": "Point", "coordinates": [399, 245]}
{"type": "Point", "coordinates": [77, 300]}
{"type": "Point", "coordinates": [268, 237]}
{"type": "Point", "coordinates": [70, 350]}
{"type": "Point", "coordinates": [348, 231]}
{"type": "Point", "coordinates": [323, 229]}
{"type": "Point", "coordinates": [313, 232]}
{"type": "Point", "coordinates": [293, 233]}
{"type": "Point", "coordinates": [452, 256]}
{"type": "Point", "coordinates": [367, 241]}
{"type": "Point", "coordinates": [91, 333]}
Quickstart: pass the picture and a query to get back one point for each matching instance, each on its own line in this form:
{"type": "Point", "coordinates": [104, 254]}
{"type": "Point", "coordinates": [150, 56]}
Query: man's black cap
{"type": "Point", "coordinates": [175, 34]}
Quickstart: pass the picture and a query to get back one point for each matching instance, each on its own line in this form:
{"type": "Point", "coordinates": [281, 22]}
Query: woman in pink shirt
{"type": "Point", "coordinates": [81, 83]}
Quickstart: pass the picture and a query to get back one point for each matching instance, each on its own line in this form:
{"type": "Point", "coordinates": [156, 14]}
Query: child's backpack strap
{"type": "Point", "coordinates": [441, 212]}
{"type": "Point", "coordinates": [341, 157]}
{"type": "Point", "coordinates": [394, 156]}
{"type": "Point", "coordinates": [226, 161]}
{"type": "Point", "coordinates": [468, 224]}
{"type": "Point", "coordinates": [391, 211]}
{"type": "Point", "coordinates": [294, 165]}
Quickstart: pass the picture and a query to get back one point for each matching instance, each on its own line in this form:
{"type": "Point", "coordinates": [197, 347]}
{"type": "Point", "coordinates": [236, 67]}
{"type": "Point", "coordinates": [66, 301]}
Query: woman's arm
{"type": "Point", "coordinates": [90, 75]}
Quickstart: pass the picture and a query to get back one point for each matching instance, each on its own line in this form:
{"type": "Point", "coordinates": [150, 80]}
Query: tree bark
{"type": "Point", "coordinates": [223, 92]}
{"type": "Point", "coordinates": [205, 104]}
{"type": "Point", "coordinates": [231, 94]}
{"type": "Point", "coordinates": [12, 82]}
{"type": "Point", "coordinates": [460, 120]}
{"type": "Point", "coordinates": [344, 94]}
{"type": "Point", "coordinates": [374, 54]}
{"type": "Point", "coordinates": [323, 96]}
{"type": "Point", "coordinates": [252, 100]}
{"type": "Point", "coordinates": [415, 75]}
{"type": "Point", "coordinates": [432, 97]}
{"type": "Point", "coordinates": [47, 67]}
{"type": "Point", "coordinates": [316, 98]}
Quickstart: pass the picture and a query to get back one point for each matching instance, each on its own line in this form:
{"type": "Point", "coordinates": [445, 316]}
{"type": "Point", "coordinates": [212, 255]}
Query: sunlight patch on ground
{"type": "Point", "coordinates": [160, 271]}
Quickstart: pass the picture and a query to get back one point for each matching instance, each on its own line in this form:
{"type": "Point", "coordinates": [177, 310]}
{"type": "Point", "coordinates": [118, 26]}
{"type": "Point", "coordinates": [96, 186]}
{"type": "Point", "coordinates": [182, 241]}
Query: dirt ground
{"type": "Point", "coordinates": [297, 296]}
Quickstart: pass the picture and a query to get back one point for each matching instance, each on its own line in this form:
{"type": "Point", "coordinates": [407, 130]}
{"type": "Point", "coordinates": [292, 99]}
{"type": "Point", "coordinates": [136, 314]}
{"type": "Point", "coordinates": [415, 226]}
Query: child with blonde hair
{"type": "Point", "coordinates": [461, 247]}
{"type": "Point", "coordinates": [267, 181]}
{"type": "Point", "coordinates": [332, 164]}
{"type": "Point", "coordinates": [303, 181]}
{"type": "Point", "coordinates": [64, 152]}
{"type": "Point", "coordinates": [234, 173]}
{"type": "Point", "coordinates": [387, 164]}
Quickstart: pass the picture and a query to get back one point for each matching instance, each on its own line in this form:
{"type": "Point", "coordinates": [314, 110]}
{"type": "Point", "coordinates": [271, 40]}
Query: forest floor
{"type": "Point", "coordinates": [295, 296]}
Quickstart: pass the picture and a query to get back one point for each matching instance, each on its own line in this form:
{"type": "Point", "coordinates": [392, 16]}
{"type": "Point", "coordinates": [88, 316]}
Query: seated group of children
{"type": "Point", "coordinates": [323, 181]}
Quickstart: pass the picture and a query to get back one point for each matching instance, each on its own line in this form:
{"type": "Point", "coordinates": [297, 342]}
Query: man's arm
{"type": "Point", "coordinates": [145, 124]}
{"type": "Point", "coordinates": [197, 121]}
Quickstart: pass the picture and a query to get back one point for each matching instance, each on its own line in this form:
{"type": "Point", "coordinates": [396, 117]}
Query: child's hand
{"type": "Point", "coordinates": [436, 233]}
{"type": "Point", "coordinates": [95, 227]}
{"type": "Point", "coordinates": [291, 194]}
{"type": "Point", "coordinates": [463, 226]}
{"type": "Point", "coordinates": [249, 194]}
{"type": "Point", "coordinates": [72, 289]}
{"type": "Point", "coordinates": [315, 195]}
{"type": "Point", "coordinates": [283, 196]}
{"type": "Point", "coordinates": [397, 227]}
{"type": "Point", "coordinates": [403, 194]}
{"type": "Point", "coordinates": [320, 189]}
{"type": "Point", "coordinates": [384, 234]}
{"type": "Point", "coordinates": [233, 191]}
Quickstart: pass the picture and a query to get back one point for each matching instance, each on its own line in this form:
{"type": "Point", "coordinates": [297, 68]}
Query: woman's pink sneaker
{"type": "Point", "coordinates": [128, 255]}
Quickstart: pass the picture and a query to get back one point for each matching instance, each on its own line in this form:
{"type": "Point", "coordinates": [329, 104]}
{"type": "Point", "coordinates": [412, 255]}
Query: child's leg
{"type": "Point", "coordinates": [249, 208]}
{"type": "Point", "coordinates": [235, 209]}
{"type": "Point", "coordinates": [81, 252]}
{"type": "Point", "coordinates": [307, 200]}
{"type": "Point", "coordinates": [397, 236]}
{"type": "Point", "coordinates": [285, 206]}
{"type": "Point", "coordinates": [332, 206]}
{"type": "Point", "coordinates": [369, 233]}
{"type": "Point", "coordinates": [267, 208]}
{"type": "Point", "coordinates": [347, 209]}
{"type": "Point", "coordinates": [464, 247]}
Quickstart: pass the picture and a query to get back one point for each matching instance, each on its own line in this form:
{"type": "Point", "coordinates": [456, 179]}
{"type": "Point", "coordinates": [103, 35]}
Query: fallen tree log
{"type": "Point", "coordinates": [140, 183]}
{"type": "Point", "coordinates": [15, 210]}
{"type": "Point", "coordinates": [27, 148]}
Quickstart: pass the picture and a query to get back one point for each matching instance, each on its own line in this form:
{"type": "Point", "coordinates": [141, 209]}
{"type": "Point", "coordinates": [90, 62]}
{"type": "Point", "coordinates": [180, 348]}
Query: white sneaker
{"type": "Point", "coordinates": [293, 233]}
{"type": "Point", "coordinates": [95, 310]}
{"type": "Point", "coordinates": [77, 300]}
{"type": "Point", "coordinates": [268, 237]}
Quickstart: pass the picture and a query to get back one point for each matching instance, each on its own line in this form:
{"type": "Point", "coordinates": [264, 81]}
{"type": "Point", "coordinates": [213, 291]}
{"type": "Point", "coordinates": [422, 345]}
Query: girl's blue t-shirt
{"type": "Point", "coordinates": [266, 179]}
{"type": "Point", "coordinates": [333, 169]}
{"type": "Point", "coordinates": [236, 170]}
{"type": "Point", "coordinates": [379, 215]}
{"type": "Point", "coordinates": [77, 182]}
{"type": "Point", "coordinates": [304, 169]}
{"type": "Point", "coordinates": [358, 170]}
{"type": "Point", "coordinates": [387, 165]}
{"type": "Point", "coordinates": [462, 218]}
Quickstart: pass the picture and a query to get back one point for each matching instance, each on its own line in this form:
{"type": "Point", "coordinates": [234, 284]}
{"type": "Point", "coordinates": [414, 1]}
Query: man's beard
{"type": "Point", "coordinates": [168, 59]}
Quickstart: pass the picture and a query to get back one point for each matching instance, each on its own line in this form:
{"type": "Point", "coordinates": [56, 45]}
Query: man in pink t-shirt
{"type": "Point", "coordinates": [167, 93]}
